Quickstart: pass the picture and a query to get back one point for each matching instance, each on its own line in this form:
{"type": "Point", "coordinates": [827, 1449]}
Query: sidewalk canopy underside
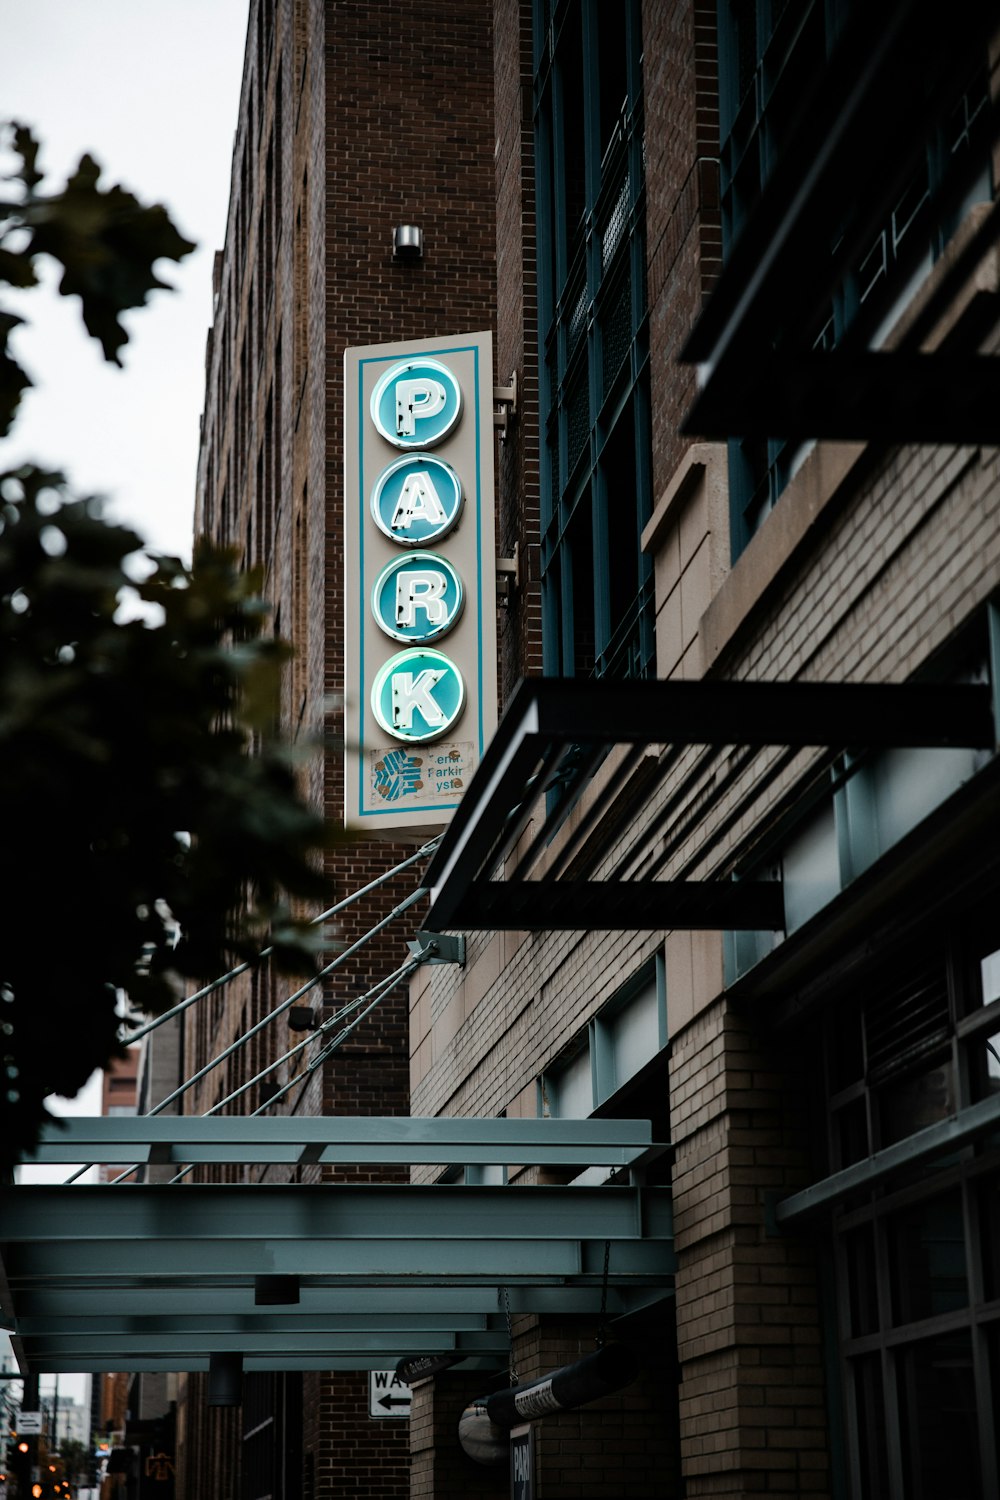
{"type": "Point", "coordinates": [338, 1276]}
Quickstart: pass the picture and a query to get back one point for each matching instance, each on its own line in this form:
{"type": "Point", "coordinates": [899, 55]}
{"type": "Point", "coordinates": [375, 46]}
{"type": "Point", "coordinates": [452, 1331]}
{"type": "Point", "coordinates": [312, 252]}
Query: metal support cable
{"type": "Point", "coordinates": [377, 992]}
{"type": "Point", "coordinates": [603, 1319]}
{"type": "Point", "coordinates": [503, 1294]}
{"type": "Point", "coordinates": [279, 1010]}
{"type": "Point", "coordinates": [286, 1004]}
{"type": "Point", "coordinates": [401, 974]}
{"type": "Point", "coordinates": [374, 995]}
{"type": "Point", "coordinates": [250, 963]}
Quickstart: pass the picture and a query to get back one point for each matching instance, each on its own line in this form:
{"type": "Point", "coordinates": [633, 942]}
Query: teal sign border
{"type": "Point", "coordinates": [472, 406]}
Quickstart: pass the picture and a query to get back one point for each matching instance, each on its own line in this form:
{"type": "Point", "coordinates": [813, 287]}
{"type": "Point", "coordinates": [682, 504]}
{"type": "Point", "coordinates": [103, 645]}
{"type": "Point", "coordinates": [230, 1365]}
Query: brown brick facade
{"type": "Point", "coordinates": [358, 115]}
{"type": "Point", "coordinates": [354, 118]}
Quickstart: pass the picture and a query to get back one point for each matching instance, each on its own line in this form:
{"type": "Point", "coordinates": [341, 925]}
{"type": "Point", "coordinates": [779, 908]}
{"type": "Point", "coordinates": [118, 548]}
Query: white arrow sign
{"type": "Point", "coordinates": [388, 1396]}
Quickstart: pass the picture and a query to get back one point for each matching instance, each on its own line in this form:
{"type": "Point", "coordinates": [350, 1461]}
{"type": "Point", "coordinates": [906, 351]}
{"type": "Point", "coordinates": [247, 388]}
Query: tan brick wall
{"type": "Point", "coordinates": [683, 236]}
{"type": "Point", "coordinates": [752, 1395]}
{"type": "Point", "coordinates": [520, 642]}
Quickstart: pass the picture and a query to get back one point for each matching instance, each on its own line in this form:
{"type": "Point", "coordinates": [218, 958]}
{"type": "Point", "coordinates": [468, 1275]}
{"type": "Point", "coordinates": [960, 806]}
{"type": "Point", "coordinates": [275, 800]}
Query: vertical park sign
{"type": "Point", "coordinates": [420, 586]}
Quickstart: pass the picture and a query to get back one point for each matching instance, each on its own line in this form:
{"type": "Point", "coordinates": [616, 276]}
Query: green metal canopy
{"type": "Point", "coordinates": [162, 1277]}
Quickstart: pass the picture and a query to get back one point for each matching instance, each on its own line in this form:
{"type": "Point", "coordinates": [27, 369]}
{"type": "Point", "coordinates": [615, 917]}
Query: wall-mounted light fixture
{"type": "Point", "coordinates": [407, 242]}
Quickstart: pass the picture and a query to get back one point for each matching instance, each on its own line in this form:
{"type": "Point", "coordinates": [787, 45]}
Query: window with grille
{"type": "Point", "coordinates": [770, 54]}
{"type": "Point", "coordinates": [595, 472]}
{"type": "Point", "coordinates": [914, 1257]}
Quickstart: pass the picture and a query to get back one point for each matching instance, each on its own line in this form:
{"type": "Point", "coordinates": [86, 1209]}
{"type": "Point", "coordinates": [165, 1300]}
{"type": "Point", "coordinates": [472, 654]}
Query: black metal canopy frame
{"type": "Point", "coordinates": [861, 137]}
{"type": "Point", "coordinates": [556, 733]}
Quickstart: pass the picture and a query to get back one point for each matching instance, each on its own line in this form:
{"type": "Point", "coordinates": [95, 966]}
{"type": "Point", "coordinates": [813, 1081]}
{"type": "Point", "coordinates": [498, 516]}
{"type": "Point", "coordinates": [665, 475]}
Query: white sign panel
{"type": "Point", "coordinates": [420, 584]}
{"type": "Point", "coordinates": [28, 1423]}
{"type": "Point", "coordinates": [388, 1396]}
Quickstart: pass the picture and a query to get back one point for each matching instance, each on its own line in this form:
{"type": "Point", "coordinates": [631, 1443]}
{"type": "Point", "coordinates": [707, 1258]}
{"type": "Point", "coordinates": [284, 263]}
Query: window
{"type": "Point", "coordinates": [594, 380]}
{"type": "Point", "coordinates": [770, 53]}
{"type": "Point", "coordinates": [613, 1048]}
{"type": "Point", "coordinates": [915, 1256]}
{"type": "Point", "coordinates": [867, 805]}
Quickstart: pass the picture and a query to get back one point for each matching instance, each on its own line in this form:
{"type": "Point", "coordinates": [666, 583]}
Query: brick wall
{"type": "Point", "coordinates": [409, 139]}
{"type": "Point", "coordinates": [353, 118]}
{"type": "Point", "coordinates": [520, 641]}
{"type": "Point", "coordinates": [441, 1469]}
{"type": "Point", "coordinates": [683, 234]}
{"type": "Point", "coordinates": [752, 1396]}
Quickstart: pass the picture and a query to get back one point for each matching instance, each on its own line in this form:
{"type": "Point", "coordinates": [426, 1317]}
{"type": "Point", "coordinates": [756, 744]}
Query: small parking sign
{"type": "Point", "coordinates": [388, 1396]}
{"type": "Point", "coordinates": [522, 1463]}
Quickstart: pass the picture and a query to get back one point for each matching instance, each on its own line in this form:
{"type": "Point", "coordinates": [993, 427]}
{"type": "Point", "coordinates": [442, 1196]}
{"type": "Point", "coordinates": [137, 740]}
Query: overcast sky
{"type": "Point", "coordinates": [151, 90]}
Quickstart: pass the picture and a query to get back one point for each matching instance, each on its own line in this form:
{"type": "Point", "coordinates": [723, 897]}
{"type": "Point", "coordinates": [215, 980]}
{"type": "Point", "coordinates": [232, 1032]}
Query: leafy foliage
{"type": "Point", "coordinates": [152, 826]}
{"type": "Point", "coordinates": [105, 240]}
{"type": "Point", "coordinates": [137, 824]}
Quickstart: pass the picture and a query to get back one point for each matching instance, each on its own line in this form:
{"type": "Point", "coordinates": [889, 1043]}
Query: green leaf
{"type": "Point", "coordinates": [26, 148]}
{"type": "Point", "coordinates": [139, 763]}
{"type": "Point", "coordinates": [13, 379]}
{"type": "Point", "coordinates": [107, 243]}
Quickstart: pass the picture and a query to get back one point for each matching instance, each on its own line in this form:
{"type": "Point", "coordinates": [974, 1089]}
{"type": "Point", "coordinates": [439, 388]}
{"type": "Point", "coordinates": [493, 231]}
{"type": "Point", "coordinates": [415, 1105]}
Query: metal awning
{"type": "Point", "coordinates": [601, 866]}
{"type": "Point", "coordinates": [860, 140]}
{"type": "Point", "coordinates": [396, 1140]}
{"type": "Point", "coordinates": [332, 1276]}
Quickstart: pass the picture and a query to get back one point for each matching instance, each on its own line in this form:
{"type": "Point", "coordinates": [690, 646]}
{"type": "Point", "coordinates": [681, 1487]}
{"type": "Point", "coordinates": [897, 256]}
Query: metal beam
{"type": "Point", "coordinates": [395, 1140]}
{"type": "Point", "coordinates": [330, 1216]}
{"type": "Point", "coordinates": [471, 1261]}
{"type": "Point", "coordinates": [710, 712]}
{"type": "Point", "coordinates": [547, 713]}
{"type": "Point", "coordinates": [619, 906]}
{"type": "Point", "coordinates": [379, 1360]}
{"type": "Point", "coordinates": [186, 1302]}
{"type": "Point", "coordinates": [160, 1277]}
{"type": "Point", "coordinates": [861, 396]}
{"type": "Point", "coordinates": [253, 1323]}
{"type": "Point", "coordinates": [924, 1145]}
{"type": "Point", "coordinates": [131, 1346]}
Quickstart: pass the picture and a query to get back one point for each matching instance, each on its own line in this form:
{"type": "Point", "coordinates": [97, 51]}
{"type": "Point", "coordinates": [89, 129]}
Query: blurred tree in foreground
{"type": "Point", "coordinates": [152, 825]}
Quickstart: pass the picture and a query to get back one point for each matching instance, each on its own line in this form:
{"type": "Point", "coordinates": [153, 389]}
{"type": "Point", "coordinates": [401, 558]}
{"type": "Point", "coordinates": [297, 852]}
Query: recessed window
{"type": "Point", "coordinates": [597, 587]}
{"type": "Point", "coordinates": [611, 1050]}
{"type": "Point", "coordinates": [989, 976]}
{"type": "Point", "coordinates": [771, 52]}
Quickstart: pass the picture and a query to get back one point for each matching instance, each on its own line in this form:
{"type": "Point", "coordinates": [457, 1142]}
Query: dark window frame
{"type": "Point", "coordinates": [886, 1334]}
{"type": "Point", "coordinates": [766, 49]}
{"type": "Point", "coordinates": [597, 584]}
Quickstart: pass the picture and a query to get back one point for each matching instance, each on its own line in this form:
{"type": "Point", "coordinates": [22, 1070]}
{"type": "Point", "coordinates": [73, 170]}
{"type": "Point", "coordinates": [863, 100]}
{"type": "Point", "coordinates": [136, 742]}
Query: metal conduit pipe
{"type": "Point", "coordinates": [608, 1369]}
